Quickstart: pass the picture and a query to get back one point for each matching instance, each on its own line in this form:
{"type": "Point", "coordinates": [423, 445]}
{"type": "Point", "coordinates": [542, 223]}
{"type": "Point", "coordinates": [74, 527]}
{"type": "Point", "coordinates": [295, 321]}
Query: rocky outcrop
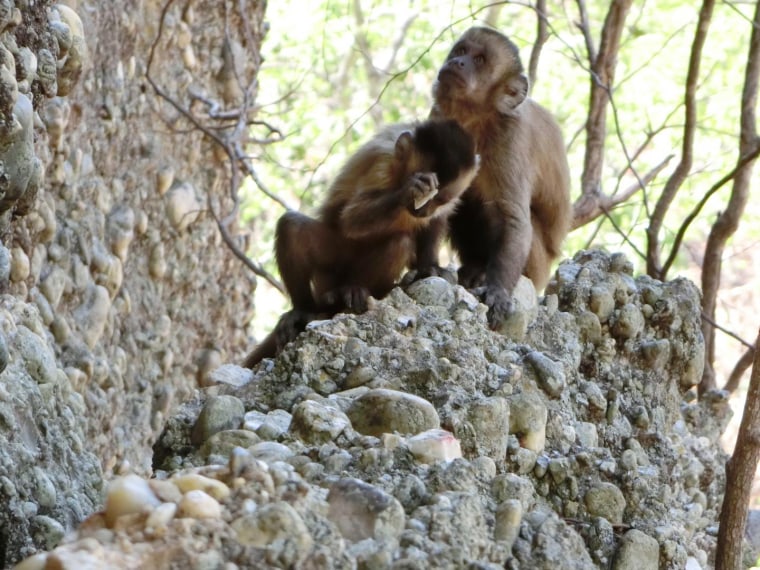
{"type": "Point", "coordinates": [414, 437]}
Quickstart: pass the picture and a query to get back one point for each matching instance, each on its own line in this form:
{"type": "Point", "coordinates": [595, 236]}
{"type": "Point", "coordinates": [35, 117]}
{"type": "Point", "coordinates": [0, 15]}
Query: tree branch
{"type": "Point", "coordinates": [728, 221]}
{"type": "Point", "coordinates": [739, 369]}
{"type": "Point", "coordinates": [588, 207]}
{"type": "Point", "coordinates": [740, 472]}
{"type": "Point", "coordinates": [542, 35]}
{"type": "Point", "coordinates": [654, 269]}
{"type": "Point", "coordinates": [602, 79]}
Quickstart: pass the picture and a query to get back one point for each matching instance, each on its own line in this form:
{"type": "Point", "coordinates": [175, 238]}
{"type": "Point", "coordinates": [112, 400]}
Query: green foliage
{"type": "Point", "coordinates": [326, 83]}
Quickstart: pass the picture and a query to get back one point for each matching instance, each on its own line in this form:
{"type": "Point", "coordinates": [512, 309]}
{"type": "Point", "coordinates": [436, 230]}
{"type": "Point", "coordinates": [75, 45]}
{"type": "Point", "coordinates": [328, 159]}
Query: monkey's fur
{"type": "Point", "coordinates": [517, 212]}
{"type": "Point", "coordinates": [406, 178]}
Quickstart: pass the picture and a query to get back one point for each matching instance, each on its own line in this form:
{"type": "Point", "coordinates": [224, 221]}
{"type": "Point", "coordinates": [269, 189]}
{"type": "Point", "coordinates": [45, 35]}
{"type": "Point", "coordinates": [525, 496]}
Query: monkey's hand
{"type": "Point", "coordinates": [351, 298]}
{"type": "Point", "coordinates": [499, 304]}
{"type": "Point", "coordinates": [423, 187]}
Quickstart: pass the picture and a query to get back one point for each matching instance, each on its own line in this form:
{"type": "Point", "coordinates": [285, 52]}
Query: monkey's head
{"type": "Point", "coordinates": [441, 146]}
{"type": "Point", "coordinates": [482, 74]}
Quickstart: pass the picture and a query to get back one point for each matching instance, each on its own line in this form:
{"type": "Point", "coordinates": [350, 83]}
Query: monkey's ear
{"type": "Point", "coordinates": [404, 145]}
{"type": "Point", "coordinates": [515, 92]}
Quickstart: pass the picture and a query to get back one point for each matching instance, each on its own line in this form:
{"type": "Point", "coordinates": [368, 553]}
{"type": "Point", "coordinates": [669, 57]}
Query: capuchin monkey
{"type": "Point", "coordinates": [513, 218]}
{"type": "Point", "coordinates": [405, 179]}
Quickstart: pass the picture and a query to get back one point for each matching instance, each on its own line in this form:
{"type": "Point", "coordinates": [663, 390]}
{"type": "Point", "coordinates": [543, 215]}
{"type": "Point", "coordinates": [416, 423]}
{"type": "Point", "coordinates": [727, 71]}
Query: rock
{"type": "Point", "coordinates": [5, 264]}
{"type": "Point", "coordinates": [432, 291]}
{"type": "Point", "coordinates": [550, 375]}
{"type": "Point", "coordinates": [91, 315]}
{"type": "Point", "coordinates": [507, 524]}
{"type": "Point", "coordinates": [197, 482]}
{"type": "Point", "coordinates": [434, 445]}
{"type": "Point", "coordinates": [527, 420]}
{"type": "Point", "coordinates": [637, 551]}
{"type": "Point", "coordinates": [489, 418]}
{"type": "Point", "coordinates": [220, 445]}
{"type": "Point", "coordinates": [231, 375]}
{"type": "Point", "coordinates": [362, 511]}
{"type": "Point", "coordinates": [277, 527]}
{"type": "Point", "coordinates": [382, 411]}
{"type": "Point", "coordinates": [199, 505]}
{"type": "Point", "coordinates": [127, 495]}
{"type": "Point", "coordinates": [313, 422]}
{"type": "Point", "coordinates": [219, 413]}
{"type": "Point", "coordinates": [182, 205]}
{"type": "Point", "coordinates": [606, 500]}
{"type": "Point", "coordinates": [268, 426]}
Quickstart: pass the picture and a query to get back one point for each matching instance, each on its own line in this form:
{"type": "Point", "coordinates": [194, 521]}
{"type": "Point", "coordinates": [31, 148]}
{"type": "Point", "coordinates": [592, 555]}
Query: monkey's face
{"type": "Point", "coordinates": [482, 72]}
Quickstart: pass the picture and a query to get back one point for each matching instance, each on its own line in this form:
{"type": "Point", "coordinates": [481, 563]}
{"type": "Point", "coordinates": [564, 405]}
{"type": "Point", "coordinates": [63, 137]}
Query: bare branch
{"type": "Point", "coordinates": [588, 207]}
{"type": "Point", "coordinates": [740, 473]}
{"type": "Point", "coordinates": [602, 79]}
{"type": "Point", "coordinates": [586, 31]}
{"type": "Point", "coordinates": [728, 221]}
{"type": "Point", "coordinates": [654, 268]}
{"type": "Point", "coordinates": [740, 368]}
{"type": "Point", "coordinates": [744, 160]}
{"type": "Point", "coordinates": [542, 35]}
{"type": "Point", "coordinates": [240, 254]}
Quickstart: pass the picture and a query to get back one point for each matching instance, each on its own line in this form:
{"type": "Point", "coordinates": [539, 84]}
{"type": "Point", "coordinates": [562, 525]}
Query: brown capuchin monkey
{"type": "Point", "coordinates": [514, 217]}
{"type": "Point", "coordinates": [405, 179]}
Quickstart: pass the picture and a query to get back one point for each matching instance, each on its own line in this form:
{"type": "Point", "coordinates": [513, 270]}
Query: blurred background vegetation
{"type": "Point", "coordinates": [335, 70]}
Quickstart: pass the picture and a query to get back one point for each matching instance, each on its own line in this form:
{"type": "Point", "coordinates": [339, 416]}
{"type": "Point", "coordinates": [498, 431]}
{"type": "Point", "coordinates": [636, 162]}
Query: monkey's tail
{"type": "Point", "coordinates": [267, 348]}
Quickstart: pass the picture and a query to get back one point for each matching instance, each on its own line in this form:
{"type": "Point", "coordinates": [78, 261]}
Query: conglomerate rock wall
{"type": "Point", "coordinates": [116, 292]}
{"type": "Point", "coordinates": [413, 437]}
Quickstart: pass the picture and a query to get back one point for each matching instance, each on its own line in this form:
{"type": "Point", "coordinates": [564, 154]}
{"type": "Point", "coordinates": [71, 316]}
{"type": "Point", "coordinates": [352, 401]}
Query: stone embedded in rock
{"type": "Point", "coordinates": [269, 426]}
{"type": "Point", "coordinates": [507, 523]}
{"type": "Point", "coordinates": [313, 422]}
{"type": "Point", "coordinates": [527, 420]}
{"type": "Point", "coordinates": [220, 445]}
{"type": "Point", "coordinates": [219, 413]}
{"type": "Point", "coordinates": [272, 525]}
{"type": "Point", "coordinates": [434, 445]}
{"type": "Point", "coordinates": [199, 505]}
{"type": "Point", "coordinates": [637, 551]}
{"type": "Point", "coordinates": [550, 374]}
{"type": "Point", "coordinates": [182, 205]}
{"type": "Point", "coordinates": [489, 418]}
{"type": "Point", "coordinates": [127, 495]}
{"type": "Point", "coordinates": [382, 411]}
{"type": "Point", "coordinates": [362, 511]}
{"type": "Point", "coordinates": [195, 481]}
{"type": "Point", "coordinates": [605, 500]}
{"type": "Point", "coordinates": [432, 291]}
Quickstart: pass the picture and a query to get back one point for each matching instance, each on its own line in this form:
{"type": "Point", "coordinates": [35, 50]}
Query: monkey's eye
{"type": "Point", "coordinates": [479, 59]}
{"type": "Point", "coordinates": [456, 52]}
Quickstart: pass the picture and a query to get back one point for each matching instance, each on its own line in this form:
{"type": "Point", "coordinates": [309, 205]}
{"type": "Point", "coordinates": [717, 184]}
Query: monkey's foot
{"type": "Point", "coordinates": [433, 271]}
{"type": "Point", "coordinates": [471, 278]}
{"type": "Point", "coordinates": [290, 325]}
{"type": "Point", "coordinates": [351, 298]}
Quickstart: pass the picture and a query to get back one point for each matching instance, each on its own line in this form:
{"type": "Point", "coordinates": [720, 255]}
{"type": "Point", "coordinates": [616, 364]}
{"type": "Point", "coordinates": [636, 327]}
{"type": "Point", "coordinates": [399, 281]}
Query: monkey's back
{"type": "Point", "coordinates": [369, 167]}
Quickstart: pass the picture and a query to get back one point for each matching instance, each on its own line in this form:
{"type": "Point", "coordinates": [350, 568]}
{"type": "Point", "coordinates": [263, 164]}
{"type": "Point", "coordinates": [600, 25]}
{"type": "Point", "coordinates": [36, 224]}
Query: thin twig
{"type": "Point", "coordinates": [675, 248]}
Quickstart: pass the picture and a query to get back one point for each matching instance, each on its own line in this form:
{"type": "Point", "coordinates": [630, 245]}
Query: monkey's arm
{"type": "Point", "coordinates": [509, 251]}
{"type": "Point", "coordinates": [378, 212]}
{"type": "Point", "coordinates": [427, 245]}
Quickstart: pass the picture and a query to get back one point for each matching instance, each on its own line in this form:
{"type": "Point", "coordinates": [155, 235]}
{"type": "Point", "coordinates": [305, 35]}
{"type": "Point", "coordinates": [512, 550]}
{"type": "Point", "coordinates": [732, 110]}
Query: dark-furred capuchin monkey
{"type": "Point", "coordinates": [405, 179]}
{"type": "Point", "coordinates": [515, 215]}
